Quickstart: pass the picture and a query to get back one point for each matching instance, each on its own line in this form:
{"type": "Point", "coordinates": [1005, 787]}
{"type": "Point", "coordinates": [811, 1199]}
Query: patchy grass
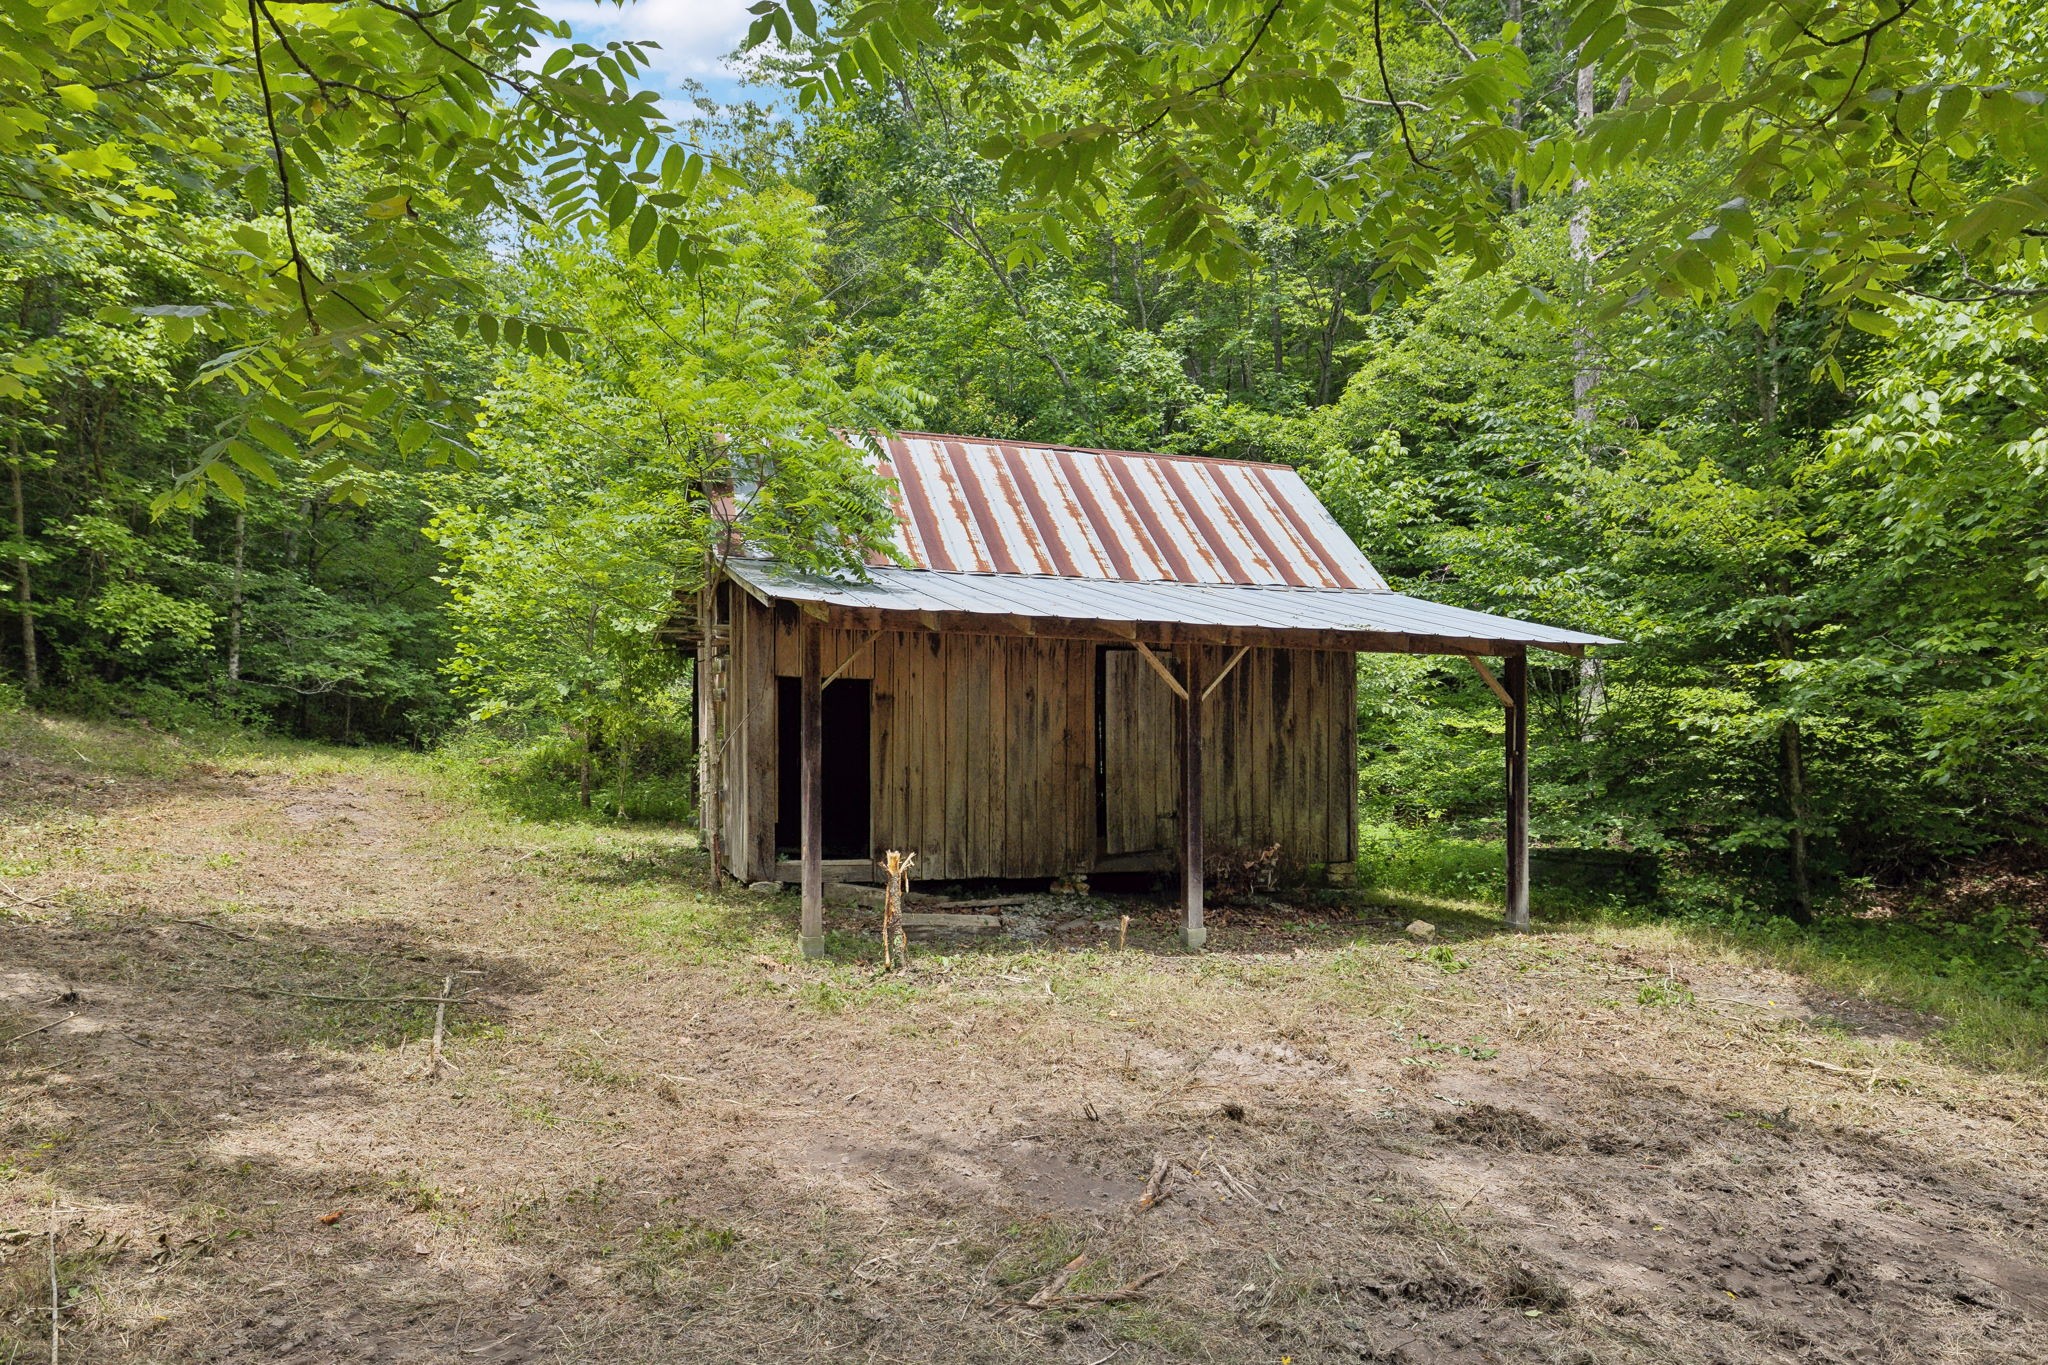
{"type": "Point", "coordinates": [662, 1133]}
{"type": "Point", "coordinates": [1983, 981]}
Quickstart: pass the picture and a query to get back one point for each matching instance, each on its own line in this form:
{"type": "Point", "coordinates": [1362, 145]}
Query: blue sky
{"type": "Point", "coordinates": [694, 35]}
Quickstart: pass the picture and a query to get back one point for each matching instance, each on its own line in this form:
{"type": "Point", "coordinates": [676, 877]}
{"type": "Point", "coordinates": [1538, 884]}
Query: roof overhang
{"type": "Point", "coordinates": [1353, 620]}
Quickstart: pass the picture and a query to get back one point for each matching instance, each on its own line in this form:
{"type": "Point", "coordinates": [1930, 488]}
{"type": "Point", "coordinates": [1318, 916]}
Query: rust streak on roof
{"type": "Point", "coordinates": [1115, 548]}
{"type": "Point", "coordinates": [1032, 496]}
{"type": "Point", "coordinates": [1205, 528]}
{"type": "Point", "coordinates": [912, 495]}
{"type": "Point", "coordinates": [1316, 545]}
{"type": "Point", "coordinates": [971, 477]}
{"type": "Point", "coordinates": [972, 506]}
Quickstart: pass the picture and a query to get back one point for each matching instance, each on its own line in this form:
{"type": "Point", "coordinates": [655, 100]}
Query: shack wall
{"type": "Point", "coordinates": [983, 752]}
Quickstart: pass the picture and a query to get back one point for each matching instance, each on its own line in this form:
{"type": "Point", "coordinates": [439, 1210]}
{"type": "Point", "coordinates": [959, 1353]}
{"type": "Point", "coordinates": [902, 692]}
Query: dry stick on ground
{"type": "Point", "coordinates": [1859, 1073]}
{"type": "Point", "coordinates": [1135, 1289]}
{"type": "Point", "coordinates": [209, 924]}
{"type": "Point", "coordinates": [435, 1061]}
{"type": "Point", "coordinates": [25, 900]}
{"type": "Point", "coordinates": [1058, 1282]}
{"type": "Point", "coordinates": [1244, 1191]}
{"type": "Point", "coordinates": [44, 1028]}
{"type": "Point", "coordinates": [1155, 1188]}
{"type": "Point", "coordinates": [443, 999]}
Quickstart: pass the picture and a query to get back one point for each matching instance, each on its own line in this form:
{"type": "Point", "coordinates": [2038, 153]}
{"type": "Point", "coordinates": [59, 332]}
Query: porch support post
{"type": "Point", "coordinates": [1192, 933]}
{"type": "Point", "coordinates": [1515, 676]}
{"type": "Point", "coordinates": [811, 738]}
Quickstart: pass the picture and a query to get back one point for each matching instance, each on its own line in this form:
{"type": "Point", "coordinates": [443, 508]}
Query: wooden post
{"type": "Point", "coordinates": [1516, 678]}
{"type": "Point", "coordinates": [1192, 933]}
{"type": "Point", "coordinates": [811, 741]}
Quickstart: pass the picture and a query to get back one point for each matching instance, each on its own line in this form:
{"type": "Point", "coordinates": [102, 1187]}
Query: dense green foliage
{"type": "Point", "coordinates": [1714, 328]}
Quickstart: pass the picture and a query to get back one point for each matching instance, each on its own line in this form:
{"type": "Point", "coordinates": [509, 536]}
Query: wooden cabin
{"type": "Point", "coordinates": [1084, 645]}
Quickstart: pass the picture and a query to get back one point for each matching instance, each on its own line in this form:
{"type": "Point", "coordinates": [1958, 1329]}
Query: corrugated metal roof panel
{"type": "Point", "coordinates": [1014, 507]}
{"type": "Point", "coordinates": [1188, 604]}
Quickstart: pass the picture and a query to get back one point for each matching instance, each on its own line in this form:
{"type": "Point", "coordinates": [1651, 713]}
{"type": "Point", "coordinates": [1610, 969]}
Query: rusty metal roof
{"type": "Point", "coordinates": [973, 506]}
{"type": "Point", "coordinates": [1312, 611]}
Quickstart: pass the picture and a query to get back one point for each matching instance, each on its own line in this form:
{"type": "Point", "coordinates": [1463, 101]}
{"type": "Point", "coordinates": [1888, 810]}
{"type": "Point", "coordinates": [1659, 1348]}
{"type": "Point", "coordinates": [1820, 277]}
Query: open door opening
{"type": "Point", "coordinates": [844, 770]}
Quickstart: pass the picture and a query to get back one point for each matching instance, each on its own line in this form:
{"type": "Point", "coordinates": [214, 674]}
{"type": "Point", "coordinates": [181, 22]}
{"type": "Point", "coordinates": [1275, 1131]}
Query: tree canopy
{"type": "Point", "coordinates": [209, 133]}
{"type": "Point", "coordinates": [1831, 149]}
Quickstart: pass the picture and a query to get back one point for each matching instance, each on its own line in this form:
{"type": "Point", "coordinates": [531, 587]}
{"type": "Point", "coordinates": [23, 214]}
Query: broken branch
{"type": "Point", "coordinates": [34, 1031]}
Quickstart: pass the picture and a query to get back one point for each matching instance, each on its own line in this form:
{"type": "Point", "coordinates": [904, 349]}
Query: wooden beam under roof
{"type": "Point", "coordinates": [1173, 635]}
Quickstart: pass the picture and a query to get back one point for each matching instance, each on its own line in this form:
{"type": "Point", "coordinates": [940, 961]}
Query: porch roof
{"type": "Point", "coordinates": [1364, 620]}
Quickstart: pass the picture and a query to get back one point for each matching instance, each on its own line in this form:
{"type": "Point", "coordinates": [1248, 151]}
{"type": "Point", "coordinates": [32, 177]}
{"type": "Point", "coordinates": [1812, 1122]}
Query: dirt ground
{"type": "Point", "coordinates": [663, 1136]}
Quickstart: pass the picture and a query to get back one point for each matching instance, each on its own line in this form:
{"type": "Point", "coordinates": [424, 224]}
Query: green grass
{"type": "Point", "coordinates": [1985, 980]}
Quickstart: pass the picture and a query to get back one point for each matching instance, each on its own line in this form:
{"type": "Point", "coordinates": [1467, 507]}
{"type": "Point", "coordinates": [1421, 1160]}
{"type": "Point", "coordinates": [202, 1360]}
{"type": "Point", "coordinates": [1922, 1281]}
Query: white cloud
{"type": "Point", "coordinates": [695, 35]}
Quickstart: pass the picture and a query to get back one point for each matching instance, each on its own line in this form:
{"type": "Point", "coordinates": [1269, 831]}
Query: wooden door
{"type": "Point", "coordinates": [1140, 768]}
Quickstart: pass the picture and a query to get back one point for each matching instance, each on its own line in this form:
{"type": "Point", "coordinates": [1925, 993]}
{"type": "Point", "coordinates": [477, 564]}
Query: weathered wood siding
{"type": "Point", "coordinates": [1140, 761]}
{"type": "Point", "coordinates": [984, 749]}
{"type": "Point", "coordinates": [1280, 755]}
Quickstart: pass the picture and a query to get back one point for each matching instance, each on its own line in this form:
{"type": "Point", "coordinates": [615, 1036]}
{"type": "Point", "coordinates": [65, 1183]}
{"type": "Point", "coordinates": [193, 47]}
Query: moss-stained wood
{"type": "Point", "coordinates": [984, 758]}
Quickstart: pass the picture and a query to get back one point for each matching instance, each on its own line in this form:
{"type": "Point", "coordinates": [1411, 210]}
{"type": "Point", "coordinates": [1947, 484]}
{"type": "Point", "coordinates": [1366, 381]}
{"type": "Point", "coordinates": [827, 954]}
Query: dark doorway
{"type": "Point", "coordinates": [846, 707]}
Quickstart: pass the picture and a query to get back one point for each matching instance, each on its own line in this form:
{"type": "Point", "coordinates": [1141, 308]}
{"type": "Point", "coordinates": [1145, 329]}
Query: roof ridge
{"type": "Point", "coordinates": [1089, 450]}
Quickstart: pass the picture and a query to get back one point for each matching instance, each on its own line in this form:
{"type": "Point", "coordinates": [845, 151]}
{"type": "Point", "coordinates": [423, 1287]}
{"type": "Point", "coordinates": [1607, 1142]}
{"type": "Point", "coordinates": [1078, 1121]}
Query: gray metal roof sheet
{"type": "Point", "coordinates": [1212, 605]}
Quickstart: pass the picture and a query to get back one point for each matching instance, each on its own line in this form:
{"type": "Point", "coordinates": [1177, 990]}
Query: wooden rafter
{"type": "Point", "coordinates": [1487, 675]}
{"type": "Point", "coordinates": [1217, 681]}
{"type": "Point", "coordinates": [847, 662]}
{"type": "Point", "coordinates": [1163, 670]}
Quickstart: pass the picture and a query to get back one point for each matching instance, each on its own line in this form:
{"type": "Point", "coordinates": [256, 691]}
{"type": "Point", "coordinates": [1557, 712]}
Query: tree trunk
{"type": "Point", "coordinates": [1792, 776]}
{"type": "Point", "coordinates": [1515, 115]}
{"type": "Point", "coordinates": [583, 769]}
{"type": "Point", "coordinates": [625, 776]}
{"type": "Point", "coordinates": [31, 673]}
{"type": "Point", "coordinates": [235, 605]}
{"type": "Point", "coordinates": [1331, 328]}
{"type": "Point", "coordinates": [1586, 370]}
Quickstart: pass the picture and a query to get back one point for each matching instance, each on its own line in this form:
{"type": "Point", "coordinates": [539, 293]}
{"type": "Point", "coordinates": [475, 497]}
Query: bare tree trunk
{"type": "Point", "coordinates": [235, 604]}
{"type": "Point", "coordinates": [625, 775]}
{"type": "Point", "coordinates": [1515, 115]}
{"type": "Point", "coordinates": [31, 672]}
{"type": "Point", "coordinates": [583, 768]}
{"type": "Point", "coordinates": [1586, 370]}
{"type": "Point", "coordinates": [1792, 776]}
{"type": "Point", "coordinates": [1767, 380]}
{"type": "Point", "coordinates": [1334, 325]}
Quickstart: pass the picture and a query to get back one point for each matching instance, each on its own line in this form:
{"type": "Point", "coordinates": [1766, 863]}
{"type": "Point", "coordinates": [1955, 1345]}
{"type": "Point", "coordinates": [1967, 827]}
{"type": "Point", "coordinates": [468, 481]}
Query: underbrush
{"type": "Point", "coordinates": [1984, 976]}
{"type": "Point", "coordinates": [537, 774]}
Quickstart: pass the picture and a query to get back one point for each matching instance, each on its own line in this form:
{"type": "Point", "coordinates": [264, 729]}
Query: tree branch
{"type": "Point", "coordinates": [1379, 48]}
{"type": "Point", "coordinates": [300, 268]}
{"type": "Point", "coordinates": [1449, 32]}
{"type": "Point", "coordinates": [1265, 22]}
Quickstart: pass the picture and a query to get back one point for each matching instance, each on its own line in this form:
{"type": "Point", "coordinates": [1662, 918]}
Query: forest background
{"type": "Point", "coordinates": [1821, 525]}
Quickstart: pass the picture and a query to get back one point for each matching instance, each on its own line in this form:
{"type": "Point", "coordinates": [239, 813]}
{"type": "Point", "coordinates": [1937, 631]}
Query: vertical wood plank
{"type": "Point", "coordinates": [1515, 677]}
{"type": "Point", "coordinates": [951, 684]}
{"type": "Point", "coordinates": [939, 764]}
{"type": "Point", "coordinates": [1079, 732]}
{"type": "Point", "coordinates": [1344, 766]}
{"type": "Point", "coordinates": [882, 763]}
{"type": "Point", "coordinates": [1192, 932]}
{"type": "Point", "coordinates": [762, 729]}
{"type": "Point", "coordinates": [812, 742]}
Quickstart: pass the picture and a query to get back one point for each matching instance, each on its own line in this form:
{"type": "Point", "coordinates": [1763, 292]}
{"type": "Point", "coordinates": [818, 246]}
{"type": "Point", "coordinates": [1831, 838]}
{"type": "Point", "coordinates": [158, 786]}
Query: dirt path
{"type": "Point", "coordinates": [667, 1138]}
